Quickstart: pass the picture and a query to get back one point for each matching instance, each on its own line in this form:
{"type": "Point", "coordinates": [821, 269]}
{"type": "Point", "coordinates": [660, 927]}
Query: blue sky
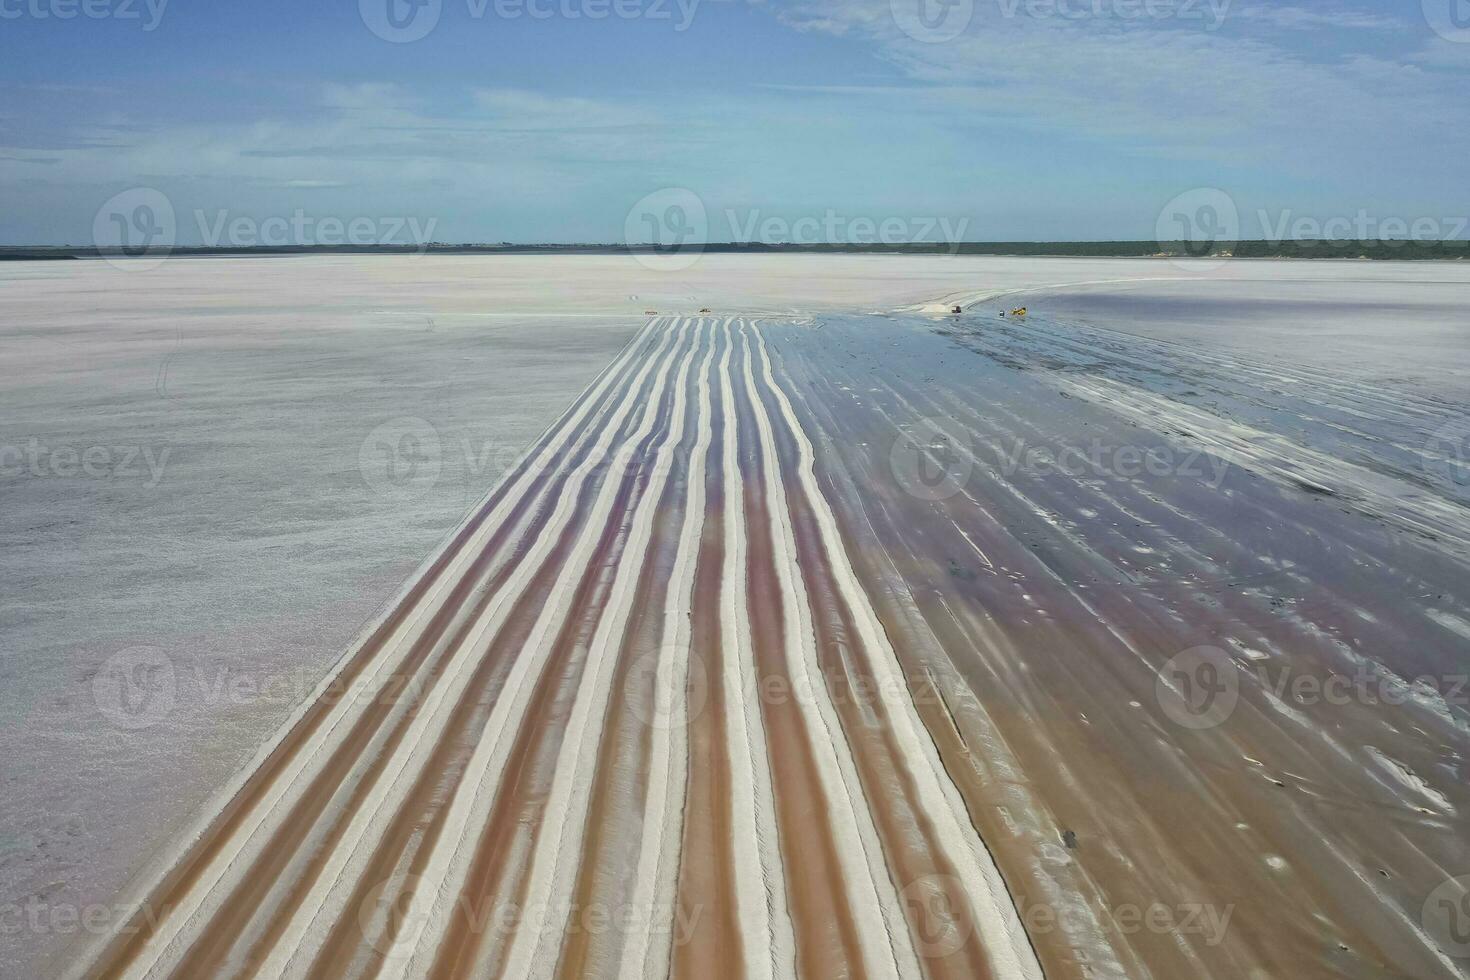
{"type": "Point", "coordinates": [538, 120]}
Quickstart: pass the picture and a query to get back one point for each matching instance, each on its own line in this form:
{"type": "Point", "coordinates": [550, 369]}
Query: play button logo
{"type": "Point", "coordinates": [400, 21]}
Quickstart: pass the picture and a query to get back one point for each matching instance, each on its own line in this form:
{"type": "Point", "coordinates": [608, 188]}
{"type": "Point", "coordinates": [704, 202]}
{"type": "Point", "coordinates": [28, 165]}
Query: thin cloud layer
{"type": "Point", "coordinates": [1041, 118]}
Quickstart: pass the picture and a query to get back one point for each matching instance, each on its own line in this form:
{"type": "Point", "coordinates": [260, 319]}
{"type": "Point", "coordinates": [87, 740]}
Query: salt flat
{"type": "Point", "coordinates": [316, 425]}
{"type": "Point", "coordinates": [266, 532]}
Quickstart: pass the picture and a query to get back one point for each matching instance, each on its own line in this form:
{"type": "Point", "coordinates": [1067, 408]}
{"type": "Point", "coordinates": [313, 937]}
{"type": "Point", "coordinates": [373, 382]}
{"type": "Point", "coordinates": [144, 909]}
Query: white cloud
{"type": "Point", "coordinates": [1165, 86]}
{"type": "Point", "coordinates": [949, 128]}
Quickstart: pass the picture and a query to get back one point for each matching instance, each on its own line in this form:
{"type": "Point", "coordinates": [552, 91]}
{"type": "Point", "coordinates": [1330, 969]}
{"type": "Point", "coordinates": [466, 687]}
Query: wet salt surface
{"type": "Point", "coordinates": [1358, 391]}
{"type": "Point", "coordinates": [1373, 330]}
{"type": "Point", "coordinates": [1306, 532]}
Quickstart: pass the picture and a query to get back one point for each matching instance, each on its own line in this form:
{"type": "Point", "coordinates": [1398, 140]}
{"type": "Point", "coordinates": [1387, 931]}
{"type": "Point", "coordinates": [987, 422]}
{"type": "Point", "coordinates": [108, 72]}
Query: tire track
{"type": "Point", "coordinates": [446, 872]}
{"type": "Point", "coordinates": [843, 911]}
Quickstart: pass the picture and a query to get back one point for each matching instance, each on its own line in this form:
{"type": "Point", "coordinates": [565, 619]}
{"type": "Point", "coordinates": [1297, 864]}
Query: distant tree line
{"type": "Point", "coordinates": [1324, 249]}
